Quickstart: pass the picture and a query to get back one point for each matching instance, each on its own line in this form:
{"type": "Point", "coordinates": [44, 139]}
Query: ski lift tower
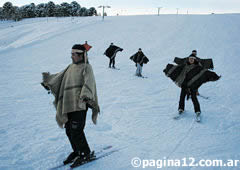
{"type": "Point", "coordinates": [102, 6]}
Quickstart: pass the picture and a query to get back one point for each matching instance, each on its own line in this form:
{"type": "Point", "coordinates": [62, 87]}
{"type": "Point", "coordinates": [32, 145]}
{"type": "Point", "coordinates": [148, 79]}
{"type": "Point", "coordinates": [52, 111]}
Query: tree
{"type": "Point", "coordinates": [31, 10]}
{"type": "Point", "coordinates": [65, 9]}
{"type": "Point", "coordinates": [83, 11]}
{"type": "Point", "coordinates": [1, 13]}
{"type": "Point", "coordinates": [28, 11]}
{"type": "Point", "coordinates": [8, 10]}
{"type": "Point", "coordinates": [50, 9]}
{"type": "Point", "coordinates": [92, 11]}
{"type": "Point", "coordinates": [75, 8]}
{"type": "Point", "coordinates": [40, 10]}
{"type": "Point", "coordinates": [58, 11]}
{"type": "Point", "coordinates": [17, 15]}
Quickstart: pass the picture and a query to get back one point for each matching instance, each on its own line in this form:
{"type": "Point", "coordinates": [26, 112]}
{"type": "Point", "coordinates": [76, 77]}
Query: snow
{"type": "Point", "coordinates": [136, 114]}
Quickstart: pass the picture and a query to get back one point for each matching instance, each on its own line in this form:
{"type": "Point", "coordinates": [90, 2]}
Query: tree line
{"type": "Point", "coordinates": [50, 9]}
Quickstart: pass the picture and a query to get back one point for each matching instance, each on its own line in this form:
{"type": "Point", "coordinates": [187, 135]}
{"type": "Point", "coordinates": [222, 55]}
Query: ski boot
{"type": "Point", "coordinates": [82, 159]}
{"type": "Point", "coordinates": [198, 118]}
{"type": "Point", "coordinates": [70, 158]}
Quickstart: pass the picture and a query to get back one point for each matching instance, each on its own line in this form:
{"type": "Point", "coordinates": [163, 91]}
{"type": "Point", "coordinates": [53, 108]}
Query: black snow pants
{"type": "Point", "coordinates": [194, 99]}
{"type": "Point", "coordinates": [75, 132]}
{"type": "Point", "coordinates": [112, 62]}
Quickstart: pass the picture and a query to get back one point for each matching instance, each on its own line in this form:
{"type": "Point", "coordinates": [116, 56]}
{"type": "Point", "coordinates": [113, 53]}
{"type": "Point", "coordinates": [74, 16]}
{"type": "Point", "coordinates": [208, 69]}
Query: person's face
{"type": "Point", "coordinates": [191, 60]}
{"type": "Point", "coordinates": [194, 53]}
{"type": "Point", "coordinates": [76, 58]}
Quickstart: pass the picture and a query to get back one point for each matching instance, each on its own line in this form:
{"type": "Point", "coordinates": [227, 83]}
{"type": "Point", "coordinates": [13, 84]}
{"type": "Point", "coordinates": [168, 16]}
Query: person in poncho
{"type": "Point", "coordinates": [111, 52]}
{"type": "Point", "coordinates": [189, 77]}
{"type": "Point", "coordinates": [139, 58]}
{"type": "Point", "coordinates": [75, 91]}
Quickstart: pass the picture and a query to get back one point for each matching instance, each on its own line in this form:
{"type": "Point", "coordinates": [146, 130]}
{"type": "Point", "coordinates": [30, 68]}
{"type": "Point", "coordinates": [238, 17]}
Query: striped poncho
{"type": "Point", "coordinates": [189, 76]}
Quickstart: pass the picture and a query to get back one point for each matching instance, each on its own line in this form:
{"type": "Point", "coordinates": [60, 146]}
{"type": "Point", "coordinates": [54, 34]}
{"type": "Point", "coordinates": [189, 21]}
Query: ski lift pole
{"type": "Point", "coordinates": [102, 6]}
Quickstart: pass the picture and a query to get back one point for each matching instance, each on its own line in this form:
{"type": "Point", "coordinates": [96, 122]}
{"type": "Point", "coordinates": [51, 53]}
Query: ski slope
{"type": "Point", "coordinates": [136, 114]}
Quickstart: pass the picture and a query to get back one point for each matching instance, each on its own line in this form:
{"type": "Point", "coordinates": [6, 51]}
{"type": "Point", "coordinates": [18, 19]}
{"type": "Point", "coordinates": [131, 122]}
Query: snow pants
{"type": "Point", "coordinates": [112, 62]}
{"type": "Point", "coordinates": [194, 100]}
{"type": "Point", "coordinates": [75, 132]}
{"type": "Point", "coordinates": [139, 70]}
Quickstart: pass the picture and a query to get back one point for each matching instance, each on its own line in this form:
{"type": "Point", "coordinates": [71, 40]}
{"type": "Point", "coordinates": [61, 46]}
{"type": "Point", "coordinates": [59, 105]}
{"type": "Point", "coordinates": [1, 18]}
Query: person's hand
{"type": "Point", "coordinates": [94, 118]}
{"type": "Point", "coordinates": [45, 75]}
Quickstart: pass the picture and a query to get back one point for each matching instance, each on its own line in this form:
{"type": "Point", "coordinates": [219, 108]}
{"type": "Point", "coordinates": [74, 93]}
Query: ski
{"type": "Point", "coordinates": [114, 68]}
{"type": "Point", "coordinates": [95, 158]}
{"type": "Point", "coordinates": [144, 77]}
{"type": "Point", "coordinates": [98, 152]}
{"type": "Point", "coordinates": [204, 97]}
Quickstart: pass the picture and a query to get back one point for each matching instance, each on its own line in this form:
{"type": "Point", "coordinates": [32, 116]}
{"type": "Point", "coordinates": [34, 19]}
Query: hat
{"type": "Point", "coordinates": [194, 51]}
{"type": "Point", "coordinates": [78, 48]}
{"type": "Point", "coordinates": [139, 49]}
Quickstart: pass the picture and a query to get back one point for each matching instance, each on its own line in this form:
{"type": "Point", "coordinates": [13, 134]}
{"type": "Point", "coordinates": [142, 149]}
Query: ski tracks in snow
{"type": "Point", "coordinates": [181, 140]}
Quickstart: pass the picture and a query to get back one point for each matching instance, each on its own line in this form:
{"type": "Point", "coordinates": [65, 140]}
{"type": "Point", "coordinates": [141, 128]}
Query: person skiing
{"type": "Point", "coordinates": [189, 77]}
{"type": "Point", "coordinates": [111, 52]}
{"type": "Point", "coordinates": [75, 91]}
{"type": "Point", "coordinates": [185, 90]}
{"type": "Point", "coordinates": [139, 58]}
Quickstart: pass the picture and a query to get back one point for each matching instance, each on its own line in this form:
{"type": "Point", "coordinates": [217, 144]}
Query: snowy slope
{"type": "Point", "coordinates": [136, 113]}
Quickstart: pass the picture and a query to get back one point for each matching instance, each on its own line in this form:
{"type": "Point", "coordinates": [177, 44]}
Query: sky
{"type": "Point", "coordinates": [132, 7]}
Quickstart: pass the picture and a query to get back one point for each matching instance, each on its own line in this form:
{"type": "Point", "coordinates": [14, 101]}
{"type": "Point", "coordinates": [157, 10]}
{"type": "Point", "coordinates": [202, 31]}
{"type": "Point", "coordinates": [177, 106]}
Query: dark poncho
{"type": "Point", "coordinates": [205, 63]}
{"type": "Point", "coordinates": [112, 51]}
{"type": "Point", "coordinates": [140, 58]}
{"type": "Point", "coordinates": [189, 76]}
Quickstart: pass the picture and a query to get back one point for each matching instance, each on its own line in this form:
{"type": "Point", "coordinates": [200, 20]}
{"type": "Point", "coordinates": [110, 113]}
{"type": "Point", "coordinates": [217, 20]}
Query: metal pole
{"type": "Point", "coordinates": [103, 12]}
{"type": "Point", "coordinates": [159, 9]}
